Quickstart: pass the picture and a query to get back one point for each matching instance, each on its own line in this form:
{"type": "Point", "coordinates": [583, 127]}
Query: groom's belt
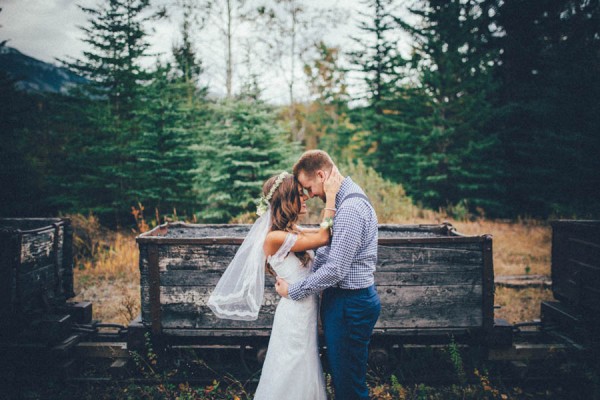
{"type": "Point", "coordinates": [339, 290]}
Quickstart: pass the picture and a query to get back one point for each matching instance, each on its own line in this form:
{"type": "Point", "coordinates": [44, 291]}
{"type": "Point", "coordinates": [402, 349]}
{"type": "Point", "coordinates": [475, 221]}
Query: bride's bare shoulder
{"type": "Point", "coordinates": [273, 242]}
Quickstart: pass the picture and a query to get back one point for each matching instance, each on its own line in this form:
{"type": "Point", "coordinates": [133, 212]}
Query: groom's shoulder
{"type": "Point", "coordinates": [356, 203]}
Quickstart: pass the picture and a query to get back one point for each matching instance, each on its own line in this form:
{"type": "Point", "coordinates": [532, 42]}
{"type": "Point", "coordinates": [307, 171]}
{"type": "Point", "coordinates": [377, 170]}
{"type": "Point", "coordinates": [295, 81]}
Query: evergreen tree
{"type": "Point", "coordinates": [117, 40]}
{"type": "Point", "coordinates": [379, 62]}
{"type": "Point", "coordinates": [104, 176]}
{"type": "Point", "coordinates": [550, 113]}
{"type": "Point", "coordinates": [31, 148]}
{"type": "Point", "coordinates": [448, 155]}
{"type": "Point", "coordinates": [188, 66]}
{"type": "Point", "coordinates": [326, 121]}
{"type": "Point", "coordinates": [21, 193]}
{"type": "Point", "coordinates": [165, 161]}
{"type": "Point", "coordinates": [241, 146]}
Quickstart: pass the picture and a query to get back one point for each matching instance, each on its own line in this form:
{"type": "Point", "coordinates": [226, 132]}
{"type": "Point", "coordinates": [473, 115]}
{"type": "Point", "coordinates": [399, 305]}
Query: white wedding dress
{"type": "Point", "coordinates": [292, 369]}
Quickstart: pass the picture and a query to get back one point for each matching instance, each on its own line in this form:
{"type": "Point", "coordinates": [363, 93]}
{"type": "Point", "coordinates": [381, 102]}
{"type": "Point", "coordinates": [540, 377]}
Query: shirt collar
{"type": "Point", "coordinates": [344, 189]}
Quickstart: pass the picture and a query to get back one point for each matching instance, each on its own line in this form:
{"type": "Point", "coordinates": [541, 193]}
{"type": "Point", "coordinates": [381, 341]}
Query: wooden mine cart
{"type": "Point", "coordinates": [36, 261]}
{"type": "Point", "coordinates": [432, 281]}
{"type": "Point", "coordinates": [575, 281]}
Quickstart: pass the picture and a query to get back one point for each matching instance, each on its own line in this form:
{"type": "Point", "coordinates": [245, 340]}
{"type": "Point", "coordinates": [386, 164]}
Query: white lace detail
{"type": "Point", "coordinates": [221, 311]}
{"type": "Point", "coordinates": [281, 254]}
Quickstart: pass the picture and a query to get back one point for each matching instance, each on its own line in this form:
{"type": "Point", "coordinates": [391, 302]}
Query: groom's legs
{"type": "Point", "coordinates": [348, 321]}
{"type": "Point", "coordinates": [332, 313]}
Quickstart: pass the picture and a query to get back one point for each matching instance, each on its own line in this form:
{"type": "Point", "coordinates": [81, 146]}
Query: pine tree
{"type": "Point", "coordinates": [548, 96]}
{"type": "Point", "coordinates": [188, 65]}
{"type": "Point", "coordinates": [326, 121]}
{"type": "Point", "coordinates": [117, 40]}
{"type": "Point", "coordinates": [379, 62]}
{"type": "Point", "coordinates": [168, 124]}
{"type": "Point", "coordinates": [21, 194]}
{"type": "Point", "coordinates": [241, 146]}
{"type": "Point", "coordinates": [104, 176]}
{"type": "Point", "coordinates": [450, 144]}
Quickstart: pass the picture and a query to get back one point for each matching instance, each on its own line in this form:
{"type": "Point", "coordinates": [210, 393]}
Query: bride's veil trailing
{"type": "Point", "coordinates": [239, 293]}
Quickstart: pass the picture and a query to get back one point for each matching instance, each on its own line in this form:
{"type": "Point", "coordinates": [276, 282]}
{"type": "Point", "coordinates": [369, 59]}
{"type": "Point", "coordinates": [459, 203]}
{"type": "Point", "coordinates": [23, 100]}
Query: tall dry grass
{"type": "Point", "coordinates": [106, 270]}
{"type": "Point", "coordinates": [520, 247]}
{"type": "Point", "coordinates": [520, 305]}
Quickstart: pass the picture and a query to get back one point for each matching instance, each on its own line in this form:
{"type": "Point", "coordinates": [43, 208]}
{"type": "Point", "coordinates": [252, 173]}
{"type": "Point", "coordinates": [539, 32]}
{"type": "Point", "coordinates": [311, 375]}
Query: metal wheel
{"type": "Point", "coordinates": [252, 357]}
{"type": "Point", "coordinates": [383, 359]}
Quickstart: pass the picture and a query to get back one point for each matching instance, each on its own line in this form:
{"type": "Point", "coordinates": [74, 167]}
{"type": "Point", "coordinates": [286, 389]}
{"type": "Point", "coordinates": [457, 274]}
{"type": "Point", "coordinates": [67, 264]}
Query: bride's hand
{"type": "Point", "coordinates": [333, 183]}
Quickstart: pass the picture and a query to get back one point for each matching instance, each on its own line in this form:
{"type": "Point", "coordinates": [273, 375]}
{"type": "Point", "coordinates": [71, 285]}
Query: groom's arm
{"type": "Point", "coordinates": [346, 240]}
{"type": "Point", "coordinates": [320, 257]}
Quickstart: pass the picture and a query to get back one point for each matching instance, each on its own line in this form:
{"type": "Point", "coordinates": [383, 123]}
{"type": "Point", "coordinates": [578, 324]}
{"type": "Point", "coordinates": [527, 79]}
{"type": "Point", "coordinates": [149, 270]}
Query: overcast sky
{"type": "Point", "coordinates": [49, 29]}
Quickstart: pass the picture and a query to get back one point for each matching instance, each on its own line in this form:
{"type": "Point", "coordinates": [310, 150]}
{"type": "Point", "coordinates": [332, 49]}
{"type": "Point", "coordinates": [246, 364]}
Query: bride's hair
{"type": "Point", "coordinates": [285, 208]}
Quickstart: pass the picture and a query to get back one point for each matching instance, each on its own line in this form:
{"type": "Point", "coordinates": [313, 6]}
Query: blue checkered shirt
{"type": "Point", "coordinates": [349, 261]}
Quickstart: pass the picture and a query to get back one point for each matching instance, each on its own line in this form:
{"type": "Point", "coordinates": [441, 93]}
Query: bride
{"type": "Point", "coordinates": [292, 369]}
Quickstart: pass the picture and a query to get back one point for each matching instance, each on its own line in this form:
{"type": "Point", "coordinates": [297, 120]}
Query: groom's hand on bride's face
{"type": "Point", "coordinates": [282, 287]}
{"type": "Point", "coordinates": [333, 182]}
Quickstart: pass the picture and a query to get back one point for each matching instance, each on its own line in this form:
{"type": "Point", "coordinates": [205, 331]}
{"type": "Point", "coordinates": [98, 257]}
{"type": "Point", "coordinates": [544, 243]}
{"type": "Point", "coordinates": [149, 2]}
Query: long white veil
{"type": "Point", "coordinates": [239, 293]}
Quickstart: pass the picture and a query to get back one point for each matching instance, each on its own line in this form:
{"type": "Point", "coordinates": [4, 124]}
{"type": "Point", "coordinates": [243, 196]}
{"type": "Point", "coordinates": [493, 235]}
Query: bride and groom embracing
{"type": "Point", "coordinates": [341, 270]}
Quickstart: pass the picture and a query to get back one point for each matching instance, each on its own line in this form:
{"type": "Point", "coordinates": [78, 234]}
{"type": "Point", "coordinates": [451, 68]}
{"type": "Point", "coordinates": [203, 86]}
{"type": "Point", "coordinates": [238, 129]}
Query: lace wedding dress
{"type": "Point", "coordinates": [292, 369]}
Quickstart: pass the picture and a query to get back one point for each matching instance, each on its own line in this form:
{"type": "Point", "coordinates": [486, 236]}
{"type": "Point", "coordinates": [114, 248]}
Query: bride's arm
{"type": "Point", "coordinates": [305, 241]}
{"type": "Point", "coordinates": [308, 230]}
{"type": "Point", "coordinates": [309, 239]}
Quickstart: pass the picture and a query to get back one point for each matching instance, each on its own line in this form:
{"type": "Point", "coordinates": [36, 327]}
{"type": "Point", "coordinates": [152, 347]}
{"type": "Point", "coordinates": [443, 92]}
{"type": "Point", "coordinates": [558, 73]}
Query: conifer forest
{"type": "Point", "coordinates": [494, 108]}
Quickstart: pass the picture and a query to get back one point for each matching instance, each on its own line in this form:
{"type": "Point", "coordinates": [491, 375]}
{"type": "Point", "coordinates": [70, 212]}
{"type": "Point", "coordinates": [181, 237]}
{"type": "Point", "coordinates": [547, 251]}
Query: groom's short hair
{"type": "Point", "coordinates": [312, 161]}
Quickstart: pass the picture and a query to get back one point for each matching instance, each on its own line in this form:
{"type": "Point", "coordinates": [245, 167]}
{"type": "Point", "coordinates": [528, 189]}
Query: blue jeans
{"type": "Point", "coordinates": [349, 317]}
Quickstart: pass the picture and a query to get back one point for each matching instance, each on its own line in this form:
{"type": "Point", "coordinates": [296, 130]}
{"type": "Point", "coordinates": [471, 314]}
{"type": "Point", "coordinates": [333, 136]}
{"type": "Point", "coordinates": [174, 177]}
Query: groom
{"type": "Point", "coordinates": [344, 271]}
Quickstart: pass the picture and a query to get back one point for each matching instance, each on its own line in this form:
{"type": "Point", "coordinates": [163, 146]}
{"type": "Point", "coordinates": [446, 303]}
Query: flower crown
{"type": "Point", "coordinates": [262, 204]}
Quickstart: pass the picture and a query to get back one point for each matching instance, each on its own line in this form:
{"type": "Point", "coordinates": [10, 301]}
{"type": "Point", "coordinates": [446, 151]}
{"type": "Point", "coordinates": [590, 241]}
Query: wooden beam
{"type": "Point", "coordinates": [154, 283]}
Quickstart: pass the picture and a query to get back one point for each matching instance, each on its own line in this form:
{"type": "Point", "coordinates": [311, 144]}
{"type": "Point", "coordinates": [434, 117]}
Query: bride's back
{"type": "Point", "coordinates": [289, 267]}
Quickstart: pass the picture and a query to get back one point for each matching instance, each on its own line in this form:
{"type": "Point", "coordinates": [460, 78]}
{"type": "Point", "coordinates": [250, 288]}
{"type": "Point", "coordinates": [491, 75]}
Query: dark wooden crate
{"type": "Point", "coordinates": [431, 280]}
{"type": "Point", "coordinates": [36, 263]}
{"type": "Point", "coordinates": [576, 264]}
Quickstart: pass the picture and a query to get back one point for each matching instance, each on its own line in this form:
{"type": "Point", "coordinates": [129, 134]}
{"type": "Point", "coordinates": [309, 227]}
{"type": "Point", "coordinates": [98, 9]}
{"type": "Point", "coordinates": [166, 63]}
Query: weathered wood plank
{"type": "Point", "coordinates": [440, 317]}
{"type": "Point", "coordinates": [208, 258]}
{"type": "Point", "coordinates": [230, 335]}
{"type": "Point", "coordinates": [208, 333]}
{"type": "Point", "coordinates": [37, 250]}
{"type": "Point", "coordinates": [414, 277]}
{"type": "Point", "coordinates": [575, 263]}
{"type": "Point", "coordinates": [584, 251]}
{"type": "Point", "coordinates": [8, 260]}
{"type": "Point", "coordinates": [411, 306]}
{"type": "Point", "coordinates": [528, 352]}
{"type": "Point", "coordinates": [429, 257]}
{"type": "Point", "coordinates": [590, 298]}
{"type": "Point", "coordinates": [399, 296]}
{"type": "Point", "coordinates": [102, 350]}
{"type": "Point", "coordinates": [34, 265]}
{"type": "Point", "coordinates": [215, 258]}
{"type": "Point", "coordinates": [38, 280]}
{"type": "Point", "coordinates": [67, 259]}
{"type": "Point", "coordinates": [154, 289]}
{"type": "Point", "coordinates": [199, 234]}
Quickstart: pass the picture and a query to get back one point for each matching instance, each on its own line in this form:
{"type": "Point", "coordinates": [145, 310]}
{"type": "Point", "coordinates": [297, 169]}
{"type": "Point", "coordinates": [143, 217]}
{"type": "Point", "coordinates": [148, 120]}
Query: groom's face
{"type": "Point", "coordinates": [314, 184]}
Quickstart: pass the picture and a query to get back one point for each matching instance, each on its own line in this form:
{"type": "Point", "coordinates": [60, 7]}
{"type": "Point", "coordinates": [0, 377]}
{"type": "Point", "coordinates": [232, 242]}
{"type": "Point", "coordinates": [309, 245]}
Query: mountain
{"type": "Point", "coordinates": [33, 75]}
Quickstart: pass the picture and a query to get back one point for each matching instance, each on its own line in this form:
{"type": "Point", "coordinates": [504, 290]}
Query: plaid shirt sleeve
{"type": "Point", "coordinates": [320, 257]}
{"type": "Point", "coordinates": [345, 243]}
